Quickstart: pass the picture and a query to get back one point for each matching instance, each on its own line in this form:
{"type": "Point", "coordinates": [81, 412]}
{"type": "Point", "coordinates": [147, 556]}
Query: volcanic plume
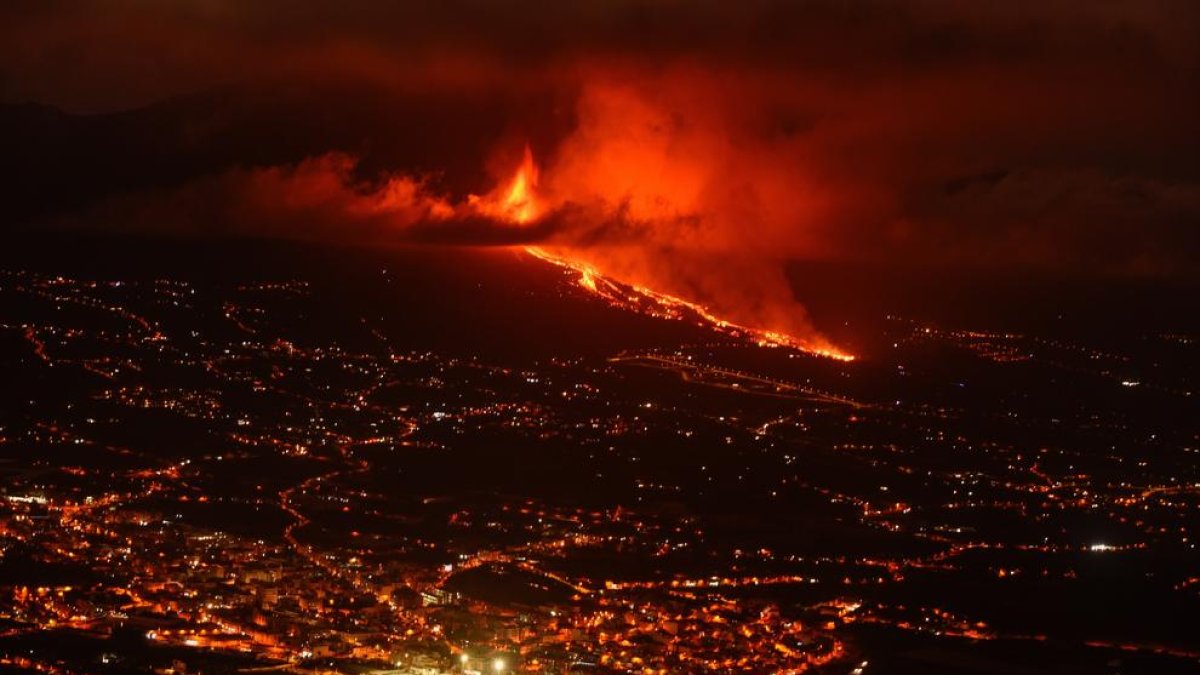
{"type": "Point", "coordinates": [615, 252]}
{"type": "Point", "coordinates": [695, 149]}
{"type": "Point", "coordinates": [693, 144]}
{"type": "Point", "coordinates": [637, 199]}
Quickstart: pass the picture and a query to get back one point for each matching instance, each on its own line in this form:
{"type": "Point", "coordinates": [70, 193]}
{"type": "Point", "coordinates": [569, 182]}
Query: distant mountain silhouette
{"type": "Point", "coordinates": [57, 162]}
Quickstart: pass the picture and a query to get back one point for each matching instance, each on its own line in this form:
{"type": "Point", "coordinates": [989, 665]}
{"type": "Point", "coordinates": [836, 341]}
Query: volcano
{"type": "Point", "coordinates": [490, 300]}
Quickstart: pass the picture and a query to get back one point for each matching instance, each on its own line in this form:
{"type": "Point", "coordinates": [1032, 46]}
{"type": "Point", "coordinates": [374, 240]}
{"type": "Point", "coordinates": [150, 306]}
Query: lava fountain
{"type": "Point", "coordinates": [518, 203]}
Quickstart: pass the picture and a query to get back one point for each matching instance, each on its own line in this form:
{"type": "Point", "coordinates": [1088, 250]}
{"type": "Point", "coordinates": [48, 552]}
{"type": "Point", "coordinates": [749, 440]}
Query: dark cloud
{"type": "Point", "coordinates": [96, 53]}
{"type": "Point", "coordinates": [1052, 133]}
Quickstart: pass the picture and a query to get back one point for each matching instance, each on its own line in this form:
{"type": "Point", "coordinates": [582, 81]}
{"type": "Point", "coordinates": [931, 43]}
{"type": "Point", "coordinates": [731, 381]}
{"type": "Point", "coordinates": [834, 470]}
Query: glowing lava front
{"type": "Point", "coordinates": [665, 306]}
{"type": "Point", "coordinates": [519, 203]}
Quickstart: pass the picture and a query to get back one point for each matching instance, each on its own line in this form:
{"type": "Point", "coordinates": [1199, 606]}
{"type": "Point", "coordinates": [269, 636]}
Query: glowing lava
{"type": "Point", "coordinates": [519, 203]}
{"type": "Point", "coordinates": [665, 306]}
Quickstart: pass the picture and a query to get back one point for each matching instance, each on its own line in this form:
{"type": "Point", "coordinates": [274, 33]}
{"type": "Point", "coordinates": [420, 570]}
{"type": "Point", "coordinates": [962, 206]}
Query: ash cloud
{"type": "Point", "coordinates": [321, 198]}
{"type": "Point", "coordinates": [1055, 134]}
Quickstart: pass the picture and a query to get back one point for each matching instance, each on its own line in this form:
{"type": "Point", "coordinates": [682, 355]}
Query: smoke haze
{"type": "Point", "coordinates": [693, 147]}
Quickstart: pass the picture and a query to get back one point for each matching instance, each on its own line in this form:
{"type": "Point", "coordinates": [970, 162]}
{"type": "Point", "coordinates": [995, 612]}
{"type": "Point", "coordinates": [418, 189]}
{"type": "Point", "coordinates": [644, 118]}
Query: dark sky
{"type": "Point", "coordinates": [1048, 134]}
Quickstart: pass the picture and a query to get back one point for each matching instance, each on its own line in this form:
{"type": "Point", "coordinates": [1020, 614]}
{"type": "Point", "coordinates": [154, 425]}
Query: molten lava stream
{"type": "Point", "coordinates": [519, 203]}
{"type": "Point", "coordinates": [617, 293]}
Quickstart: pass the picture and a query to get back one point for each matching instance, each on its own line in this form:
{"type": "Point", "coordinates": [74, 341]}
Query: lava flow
{"type": "Point", "coordinates": [519, 203]}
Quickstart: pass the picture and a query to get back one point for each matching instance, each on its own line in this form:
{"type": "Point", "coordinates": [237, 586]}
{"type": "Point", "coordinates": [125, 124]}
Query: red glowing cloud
{"type": "Point", "coordinates": [693, 149]}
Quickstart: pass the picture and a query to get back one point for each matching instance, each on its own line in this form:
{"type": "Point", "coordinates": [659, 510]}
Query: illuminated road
{"type": "Point", "coordinates": [709, 375]}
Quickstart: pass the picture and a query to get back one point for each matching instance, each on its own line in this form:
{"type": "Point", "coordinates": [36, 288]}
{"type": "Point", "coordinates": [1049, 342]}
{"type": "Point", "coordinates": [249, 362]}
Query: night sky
{"type": "Point", "coordinates": [1048, 135]}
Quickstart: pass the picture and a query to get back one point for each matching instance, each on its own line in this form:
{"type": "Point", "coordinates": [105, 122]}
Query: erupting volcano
{"type": "Point", "coordinates": [518, 202]}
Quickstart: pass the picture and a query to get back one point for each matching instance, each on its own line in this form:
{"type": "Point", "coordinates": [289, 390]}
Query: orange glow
{"type": "Point", "coordinates": [587, 278]}
{"type": "Point", "coordinates": [521, 201]}
{"type": "Point", "coordinates": [655, 303]}
{"type": "Point", "coordinates": [517, 201]}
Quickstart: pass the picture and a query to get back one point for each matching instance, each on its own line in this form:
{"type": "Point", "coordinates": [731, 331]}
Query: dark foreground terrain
{"type": "Point", "coordinates": [240, 456]}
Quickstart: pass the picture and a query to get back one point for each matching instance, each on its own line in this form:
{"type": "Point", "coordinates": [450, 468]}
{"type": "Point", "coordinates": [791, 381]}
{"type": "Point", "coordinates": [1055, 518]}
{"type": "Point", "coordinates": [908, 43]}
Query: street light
{"type": "Point", "coordinates": [498, 665]}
